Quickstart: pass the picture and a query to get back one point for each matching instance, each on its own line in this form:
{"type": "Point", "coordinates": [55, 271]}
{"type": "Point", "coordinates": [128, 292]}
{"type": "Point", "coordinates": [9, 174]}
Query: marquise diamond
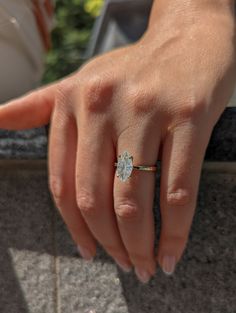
{"type": "Point", "coordinates": [124, 166]}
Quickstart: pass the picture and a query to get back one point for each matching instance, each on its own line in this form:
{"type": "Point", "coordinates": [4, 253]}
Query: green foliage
{"type": "Point", "coordinates": [74, 20]}
{"type": "Point", "coordinates": [93, 7]}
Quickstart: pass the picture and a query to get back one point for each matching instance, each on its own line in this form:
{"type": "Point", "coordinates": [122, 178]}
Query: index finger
{"type": "Point", "coordinates": [29, 111]}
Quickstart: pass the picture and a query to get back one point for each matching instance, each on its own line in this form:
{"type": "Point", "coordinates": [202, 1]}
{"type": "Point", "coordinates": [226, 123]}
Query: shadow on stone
{"type": "Point", "coordinates": [25, 242]}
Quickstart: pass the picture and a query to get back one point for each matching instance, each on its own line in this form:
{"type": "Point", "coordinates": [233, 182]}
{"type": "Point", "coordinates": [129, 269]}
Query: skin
{"type": "Point", "coordinates": [158, 99]}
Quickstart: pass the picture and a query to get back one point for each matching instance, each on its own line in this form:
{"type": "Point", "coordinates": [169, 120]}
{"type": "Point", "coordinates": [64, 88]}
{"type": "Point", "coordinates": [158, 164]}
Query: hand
{"type": "Point", "coordinates": [159, 97]}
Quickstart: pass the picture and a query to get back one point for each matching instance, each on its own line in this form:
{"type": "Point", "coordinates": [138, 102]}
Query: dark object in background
{"type": "Point", "coordinates": [120, 23]}
{"type": "Point", "coordinates": [47, 129]}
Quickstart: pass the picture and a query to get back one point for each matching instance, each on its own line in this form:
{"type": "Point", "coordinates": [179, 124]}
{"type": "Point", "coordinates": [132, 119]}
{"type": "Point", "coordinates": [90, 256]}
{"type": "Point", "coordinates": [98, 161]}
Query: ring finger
{"type": "Point", "coordinates": [133, 201]}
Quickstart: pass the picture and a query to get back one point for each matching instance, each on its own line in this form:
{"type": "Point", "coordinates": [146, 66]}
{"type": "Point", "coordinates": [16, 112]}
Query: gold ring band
{"type": "Point", "coordinates": [143, 168]}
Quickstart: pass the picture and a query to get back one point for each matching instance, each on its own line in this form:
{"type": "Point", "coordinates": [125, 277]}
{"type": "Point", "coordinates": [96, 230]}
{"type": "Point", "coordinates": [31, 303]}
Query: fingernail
{"type": "Point", "coordinates": [142, 275]}
{"type": "Point", "coordinates": [125, 267]}
{"type": "Point", "coordinates": [85, 253]}
{"type": "Point", "coordinates": [168, 264]}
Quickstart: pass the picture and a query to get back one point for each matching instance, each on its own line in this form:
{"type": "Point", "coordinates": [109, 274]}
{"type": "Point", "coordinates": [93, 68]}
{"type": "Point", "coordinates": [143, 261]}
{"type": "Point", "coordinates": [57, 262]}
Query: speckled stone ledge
{"type": "Point", "coordinates": [32, 144]}
{"type": "Point", "coordinates": [27, 144]}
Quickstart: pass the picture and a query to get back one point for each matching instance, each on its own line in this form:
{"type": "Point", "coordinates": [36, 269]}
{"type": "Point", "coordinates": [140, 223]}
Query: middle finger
{"type": "Point", "coordinates": [94, 186]}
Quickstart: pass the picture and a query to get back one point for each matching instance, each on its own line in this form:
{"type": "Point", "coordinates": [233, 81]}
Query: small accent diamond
{"type": "Point", "coordinates": [124, 166]}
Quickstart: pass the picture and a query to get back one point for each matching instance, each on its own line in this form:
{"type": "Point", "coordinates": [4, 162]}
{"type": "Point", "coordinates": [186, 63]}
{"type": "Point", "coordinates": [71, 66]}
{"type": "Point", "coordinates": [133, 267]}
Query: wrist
{"type": "Point", "coordinates": [180, 16]}
{"type": "Point", "coordinates": [188, 8]}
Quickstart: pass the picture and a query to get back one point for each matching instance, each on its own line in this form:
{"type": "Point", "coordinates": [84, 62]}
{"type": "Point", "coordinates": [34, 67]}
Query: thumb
{"type": "Point", "coordinates": [30, 111]}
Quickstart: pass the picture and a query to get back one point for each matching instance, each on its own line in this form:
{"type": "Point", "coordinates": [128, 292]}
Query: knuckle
{"type": "Point", "coordinates": [127, 211]}
{"type": "Point", "coordinates": [190, 109]}
{"type": "Point", "coordinates": [64, 96]}
{"type": "Point", "coordinates": [86, 204]}
{"type": "Point", "coordinates": [63, 91]}
{"type": "Point", "coordinates": [57, 189]}
{"type": "Point", "coordinates": [141, 99]}
{"type": "Point", "coordinates": [179, 197]}
{"type": "Point", "coordinates": [97, 93]}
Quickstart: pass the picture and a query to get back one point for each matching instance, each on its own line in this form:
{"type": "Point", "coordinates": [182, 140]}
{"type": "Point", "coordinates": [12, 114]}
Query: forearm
{"type": "Point", "coordinates": [190, 8]}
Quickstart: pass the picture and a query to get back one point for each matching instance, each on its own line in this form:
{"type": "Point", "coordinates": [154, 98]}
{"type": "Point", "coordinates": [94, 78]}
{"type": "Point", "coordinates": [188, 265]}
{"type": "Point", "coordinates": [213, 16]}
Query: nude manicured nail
{"type": "Point", "coordinates": [85, 253]}
{"type": "Point", "coordinates": [125, 267]}
{"type": "Point", "coordinates": [142, 275]}
{"type": "Point", "coordinates": [168, 264]}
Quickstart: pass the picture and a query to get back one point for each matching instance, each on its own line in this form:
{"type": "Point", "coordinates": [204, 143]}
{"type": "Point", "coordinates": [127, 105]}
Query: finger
{"type": "Point", "coordinates": [94, 174]}
{"type": "Point", "coordinates": [133, 201]}
{"type": "Point", "coordinates": [183, 153]}
{"type": "Point", "coordinates": [62, 158]}
{"type": "Point", "coordinates": [29, 111]}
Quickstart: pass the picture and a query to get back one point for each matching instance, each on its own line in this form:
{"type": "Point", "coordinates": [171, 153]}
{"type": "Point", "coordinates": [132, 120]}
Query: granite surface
{"type": "Point", "coordinates": [25, 144]}
{"type": "Point", "coordinates": [26, 243]}
{"type": "Point", "coordinates": [41, 271]}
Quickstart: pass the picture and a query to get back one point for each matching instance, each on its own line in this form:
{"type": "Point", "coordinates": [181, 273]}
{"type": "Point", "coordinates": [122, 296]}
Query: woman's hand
{"type": "Point", "coordinates": [160, 97]}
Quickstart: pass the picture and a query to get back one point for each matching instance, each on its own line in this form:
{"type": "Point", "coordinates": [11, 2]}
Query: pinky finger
{"type": "Point", "coordinates": [183, 154]}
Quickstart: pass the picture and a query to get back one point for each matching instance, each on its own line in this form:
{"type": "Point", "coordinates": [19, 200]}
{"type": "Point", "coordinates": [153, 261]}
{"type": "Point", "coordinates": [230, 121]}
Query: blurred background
{"type": "Point", "coordinates": [26, 28]}
{"type": "Point", "coordinates": [74, 20]}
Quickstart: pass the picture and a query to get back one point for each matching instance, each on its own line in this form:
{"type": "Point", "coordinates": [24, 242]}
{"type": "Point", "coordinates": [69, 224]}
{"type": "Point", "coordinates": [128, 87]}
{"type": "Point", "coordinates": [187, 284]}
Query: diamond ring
{"type": "Point", "coordinates": [125, 166]}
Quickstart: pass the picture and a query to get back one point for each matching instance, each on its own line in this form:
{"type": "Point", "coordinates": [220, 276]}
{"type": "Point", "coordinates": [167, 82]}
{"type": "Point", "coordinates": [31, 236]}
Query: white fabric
{"type": "Point", "coordinates": [21, 49]}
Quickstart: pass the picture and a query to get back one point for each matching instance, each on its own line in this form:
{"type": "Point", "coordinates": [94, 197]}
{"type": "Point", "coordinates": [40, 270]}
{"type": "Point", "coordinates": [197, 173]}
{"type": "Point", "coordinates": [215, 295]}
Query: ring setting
{"type": "Point", "coordinates": [125, 166]}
